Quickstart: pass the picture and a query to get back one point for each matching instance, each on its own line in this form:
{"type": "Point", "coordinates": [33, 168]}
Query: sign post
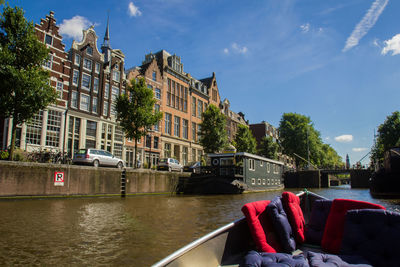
{"type": "Point", "coordinates": [58, 178]}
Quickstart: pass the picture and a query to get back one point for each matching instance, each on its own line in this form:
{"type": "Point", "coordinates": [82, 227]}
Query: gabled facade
{"type": "Point", "coordinates": [46, 130]}
{"type": "Point", "coordinates": [233, 119]}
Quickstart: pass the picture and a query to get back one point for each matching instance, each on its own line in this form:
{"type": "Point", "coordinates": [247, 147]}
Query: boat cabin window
{"type": "Point", "coordinates": [261, 163]}
{"type": "Point", "coordinates": [252, 164]}
{"type": "Point", "coordinates": [268, 167]}
{"type": "Point", "coordinates": [239, 161]}
{"type": "Point", "coordinates": [259, 181]}
{"type": "Point", "coordinates": [226, 161]}
{"type": "Point", "coordinates": [253, 181]}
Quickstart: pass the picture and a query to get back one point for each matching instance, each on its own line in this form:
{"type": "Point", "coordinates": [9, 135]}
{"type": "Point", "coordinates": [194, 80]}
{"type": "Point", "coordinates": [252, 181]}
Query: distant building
{"type": "Point", "coordinates": [347, 161]}
{"type": "Point", "coordinates": [233, 119]}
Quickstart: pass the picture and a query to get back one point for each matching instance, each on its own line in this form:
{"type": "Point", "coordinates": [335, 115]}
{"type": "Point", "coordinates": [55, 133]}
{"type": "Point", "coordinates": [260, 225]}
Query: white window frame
{"type": "Point", "coordinates": [83, 79]}
{"type": "Point", "coordinates": [75, 77]}
{"type": "Point", "coordinates": [82, 103]}
{"type": "Point", "coordinates": [95, 109]}
{"type": "Point", "coordinates": [48, 63]}
{"type": "Point", "coordinates": [74, 99]}
{"type": "Point", "coordinates": [116, 75]}
{"type": "Point", "coordinates": [105, 108]}
{"type": "Point", "coordinates": [77, 60]}
{"type": "Point", "coordinates": [86, 62]}
{"type": "Point", "coordinates": [59, 89]}
{"type": "Point", "coordinates": [107, 91]}
{"type": "Point", "coordinates": [157, 93]}
{"type": "Point", "coordinates": [97, 67]}
{"type": "Point", "coordinates": [96, 85]}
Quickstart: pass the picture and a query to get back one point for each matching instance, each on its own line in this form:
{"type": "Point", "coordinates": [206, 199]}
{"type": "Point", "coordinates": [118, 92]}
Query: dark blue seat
{"type": "Point", "coordinates": [316, 225]}
{"type": "Point", "coordinates": [373, 234]}
{"type": "Point", "coordinates": [265, 259]}
{"type": "Point", "coordinates": [281, 225]}
{"type": "Point", "coordinates": [329, 260]}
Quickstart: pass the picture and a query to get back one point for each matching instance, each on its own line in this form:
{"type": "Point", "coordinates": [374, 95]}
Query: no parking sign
{"type": "Point", "coordinates": [59, 178]}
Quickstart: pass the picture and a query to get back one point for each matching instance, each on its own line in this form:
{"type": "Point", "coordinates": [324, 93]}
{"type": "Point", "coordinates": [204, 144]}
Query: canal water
{"type": "Point", "coordinates": [136, 231]}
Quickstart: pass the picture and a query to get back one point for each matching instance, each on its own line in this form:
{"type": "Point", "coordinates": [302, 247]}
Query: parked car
{"type": "Point", "coordinates": [169, 164]}
{"type": "Point", "coordinates": [97, 157]}
{"type": "Point", "coordinates": [192, 167]}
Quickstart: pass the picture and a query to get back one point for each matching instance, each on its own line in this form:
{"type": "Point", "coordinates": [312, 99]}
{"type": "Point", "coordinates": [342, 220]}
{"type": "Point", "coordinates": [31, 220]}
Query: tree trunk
{"type": "Point", "coordinates": [13, 137]}
{"type": "Point", "coordinates": [135, 163]}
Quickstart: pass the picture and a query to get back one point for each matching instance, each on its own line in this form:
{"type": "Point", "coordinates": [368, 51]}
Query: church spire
{"type": "Point", "coordinates": [105, 47]}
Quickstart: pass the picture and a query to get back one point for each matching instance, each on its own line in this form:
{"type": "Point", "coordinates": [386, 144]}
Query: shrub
{"type": "Point", "coordinates": [4, 154]}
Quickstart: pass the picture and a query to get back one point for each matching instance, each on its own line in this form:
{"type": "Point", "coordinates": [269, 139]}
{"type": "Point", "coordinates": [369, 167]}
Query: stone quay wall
{"type": "Point", "coordinates": [21, 179]}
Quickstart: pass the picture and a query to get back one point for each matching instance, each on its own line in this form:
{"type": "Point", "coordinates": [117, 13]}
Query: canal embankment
{"type": "Point", "coordinates": [23, 179]}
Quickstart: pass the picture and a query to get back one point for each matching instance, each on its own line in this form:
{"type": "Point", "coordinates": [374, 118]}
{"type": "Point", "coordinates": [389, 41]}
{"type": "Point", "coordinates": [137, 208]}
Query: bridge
{"type": "Point", "coordinates": [359, 178]}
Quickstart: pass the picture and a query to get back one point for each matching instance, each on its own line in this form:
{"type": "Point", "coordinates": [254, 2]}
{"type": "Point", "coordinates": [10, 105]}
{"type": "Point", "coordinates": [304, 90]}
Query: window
{"type": "Point", "coordinates": [158, 93]}
{"type": "Point", "coordinates": [53, 128]}
{"type": "Point", "coordinates": [74, 99]}
{"type": "Point", "coordinates": [169, 93]}
{"type": "Point", "coordinates": [85, 101]}
{"type": "Point", "coordinates": [105, 108]}
{"type": "Point", "coordinates": [77, 60]}
{"type": "Point", "coordinates": [194, 131]}
{"type": "Point", "coordinates": [268, 167]}
{"type": "Point", "coordinates": [75, 78]}
{"type": "Point", "coordinates": [168, 118]}
{"type": "Point", "coordinates": [107, 91]}
{"type": "Point", "coordinates": [148, 141]}
{"type": "Point", "coordinates": [155, 145]}
{"type": "Point", "coordinates": [198, 132]}
{"type": "Point", "coordinates": [49, 62]}
{"type": "Point", "coordinates": [185, 125]}
{"type": "Point", "coordinates": [49, 39]}
{"type": "Point", "coordinates": [167, 150]}
{"type": "Point", "coordinates": [91, 128]}
{"type": "Point", "coordinates": [97, 68]}
{"type": "Point", "coordinates": [116, 75]}
{"type": "Point", "coordinates": [114, 95]}
{"type": "Point", "coordinates": [86, 81]}
{"type": "Point", "coordinates": [214, 95]}
{"type": "Point", "coordinates": [251, 165]}
{"type": "Point", "coordinates": [193, 106]}
{"type": "Point", "coordinates": [184, 155]}
{"type": "Point", "coordinates": [87, 64]}
{"type": "Point", "coordinates": [177, 126]}
{"type": "Point", "coordinates": [34, 129]}
{"type": "Point", "coordinates": [96, 85]}
{"type": "Point", "coordinates": [59, 89]}
{"type": "Point", "coordinates": [199, 108]}
{"type": "Point", "coordinates": [89, 50]}
{"type": "Point", "coordinates": [94, 105]}
{"type": "Point", "coordinates": [154, 76]}
{"type": "Point", "coordinates": [157, 125]}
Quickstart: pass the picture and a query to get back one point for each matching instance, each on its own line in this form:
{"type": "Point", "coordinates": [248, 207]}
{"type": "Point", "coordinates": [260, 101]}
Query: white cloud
{"type": "Point", "coordinates": [346, 138]}
{"type": "Point", "coordinates": [392, 45]}
{"type": "Point", "coordinates": [133, 10]}
{"type": "Point", "coordinates": [359, 149]}
{"type": "Point", "coordinates": [72, 28]}
{"type": "Point", "coordinates": [237, 49]}
{"type": "Point", "coordinates": [305, 27]}
{"type": "Point", "coordinates": [367, 22]}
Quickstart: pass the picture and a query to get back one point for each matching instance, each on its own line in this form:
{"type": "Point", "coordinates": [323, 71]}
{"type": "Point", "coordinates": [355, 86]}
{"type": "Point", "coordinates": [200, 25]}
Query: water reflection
{"type": "Point", "coordinates": [136, 231]}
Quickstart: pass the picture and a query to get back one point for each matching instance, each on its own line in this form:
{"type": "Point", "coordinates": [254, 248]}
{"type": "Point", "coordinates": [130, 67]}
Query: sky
{"type": "Point", "coordinates": [335, 61]}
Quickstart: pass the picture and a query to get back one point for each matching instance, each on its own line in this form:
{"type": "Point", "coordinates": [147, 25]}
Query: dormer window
{"type": "Point", "coordinates": [89, 50]}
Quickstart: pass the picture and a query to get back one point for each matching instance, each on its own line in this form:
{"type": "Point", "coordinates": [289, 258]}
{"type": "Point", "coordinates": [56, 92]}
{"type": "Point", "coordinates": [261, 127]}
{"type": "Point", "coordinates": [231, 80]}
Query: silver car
{"type": "Point", "coordinates": [97, 157]}
{"type": "Point", "coordinates": [169, 164]}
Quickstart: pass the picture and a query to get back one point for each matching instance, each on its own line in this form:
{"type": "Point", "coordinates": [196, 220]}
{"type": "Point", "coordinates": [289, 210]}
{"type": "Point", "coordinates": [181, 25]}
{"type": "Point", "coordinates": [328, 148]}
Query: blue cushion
{"type": "Point", "coordinates": [316, 225]}
{"type": "Point", "coordinates": [329, 260]}
{"type": "Point", "coordinates": [265, 259]}
{"type": "Point", "coordinates": [281, 225]}
{"type": "Point", "coordinates": [373, 234]}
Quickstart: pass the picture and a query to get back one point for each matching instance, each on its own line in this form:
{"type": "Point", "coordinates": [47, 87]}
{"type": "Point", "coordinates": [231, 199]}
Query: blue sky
{"type": "Point", "coordinates": [336, 61]}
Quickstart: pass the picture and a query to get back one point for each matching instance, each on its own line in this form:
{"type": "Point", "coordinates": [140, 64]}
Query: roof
{"type": "Point", "coordinates": [245, 154]}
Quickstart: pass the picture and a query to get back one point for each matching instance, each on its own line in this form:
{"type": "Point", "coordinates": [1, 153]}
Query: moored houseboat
{"type": "Point", "coordinates": [233, 173]}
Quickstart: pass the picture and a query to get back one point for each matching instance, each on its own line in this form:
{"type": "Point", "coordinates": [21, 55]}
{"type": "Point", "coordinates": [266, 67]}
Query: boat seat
{"type": "Point", "coordinates": [333, 232]}
{"type": "Point", "coordinates": [291, 204]}
{"type": "Point", "coordinates": [281, 225]}
{"type": "Point", "coordinates": [329, 260]}
{"type": "Point", "coordinates": [264, 259]}
{"type": "Point", "coordinates": [316, 225]}
{"type": "Point", "coordinates": [373, 234]}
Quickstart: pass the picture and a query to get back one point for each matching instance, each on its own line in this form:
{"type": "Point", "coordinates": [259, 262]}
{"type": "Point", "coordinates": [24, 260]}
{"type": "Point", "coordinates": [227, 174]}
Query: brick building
{"type": "Point", "coordinates": [233, 119]}
{"type": "Point", "coordinates": [46, 130]}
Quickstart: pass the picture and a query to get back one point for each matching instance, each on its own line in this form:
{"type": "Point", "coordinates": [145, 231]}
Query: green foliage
{"type": "Point", "coordinates": [24, 88]}
{"type": "Point", "coordinates": [297, 136]}
{"type": "Point", "coordinates": [4, 154]}
{"type": "Point", "coordinates": [244, 140]}
{"type": "Point", "coordinates": [388, 136]}
{"type": "Point", "coordinates": [213, 136]}
{"type": "Point", "coordinates": [135, 110]}
{"type": "Point", "coordinates": [268, 148]}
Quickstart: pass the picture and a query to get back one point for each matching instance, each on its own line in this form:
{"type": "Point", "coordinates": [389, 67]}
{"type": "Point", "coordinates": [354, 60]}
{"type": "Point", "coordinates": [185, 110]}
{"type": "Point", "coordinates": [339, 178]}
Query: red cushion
{"type": "Point", "coordinates": [291, 203]}
{"type": "Point", "coordinates": [333, 233]}
{"type": "Point", "coordinates": [260, 227]}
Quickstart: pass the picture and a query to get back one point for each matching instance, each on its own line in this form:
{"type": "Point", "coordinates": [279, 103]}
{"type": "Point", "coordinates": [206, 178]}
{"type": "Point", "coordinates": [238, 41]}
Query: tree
{"type": "Point", "coordinates": [268, 148]}
{"type": "Point", "coordinates": [135, 110]}
{"type": "Point", "coordinates": [213, 136]}
{"type": "Point", "coordinates": [388, 136]}
{"type": "Point", "coordinates": [244, 140]}
{"type": "Point", "coordinates": [24, 84]}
